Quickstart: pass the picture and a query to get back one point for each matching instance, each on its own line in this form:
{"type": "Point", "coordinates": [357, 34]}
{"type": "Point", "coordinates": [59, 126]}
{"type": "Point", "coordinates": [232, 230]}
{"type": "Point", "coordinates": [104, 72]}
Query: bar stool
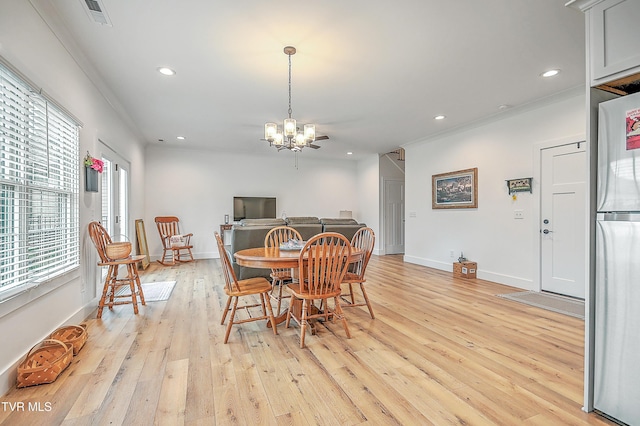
{"type": "Point", "coordinates": [112, 283]}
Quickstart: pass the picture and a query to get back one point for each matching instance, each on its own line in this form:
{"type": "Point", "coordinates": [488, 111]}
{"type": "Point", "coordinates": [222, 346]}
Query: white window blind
{"type": "Point", "coordinates": [39, 178]}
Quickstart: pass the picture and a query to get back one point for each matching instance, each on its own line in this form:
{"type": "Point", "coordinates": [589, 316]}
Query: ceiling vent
{"type": "Point", "coordinates": [96, 11]}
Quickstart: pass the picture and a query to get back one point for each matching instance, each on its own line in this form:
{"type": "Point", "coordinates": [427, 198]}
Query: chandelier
{"type": "Point", "coordinates": [290, 136]}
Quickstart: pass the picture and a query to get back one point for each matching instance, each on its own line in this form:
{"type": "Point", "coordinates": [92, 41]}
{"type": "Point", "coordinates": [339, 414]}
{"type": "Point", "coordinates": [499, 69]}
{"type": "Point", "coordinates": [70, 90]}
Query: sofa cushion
{"type": "Point", "coordinates": [302, 220]}
{"type": "Point", "coordinates": [348, 230]}
{"type": "Point", "coordinates": [307, 230]}
{"type": "Point", "coordinates": [263, 222]}
{"type": "Point", "coordinates": [338, 221]}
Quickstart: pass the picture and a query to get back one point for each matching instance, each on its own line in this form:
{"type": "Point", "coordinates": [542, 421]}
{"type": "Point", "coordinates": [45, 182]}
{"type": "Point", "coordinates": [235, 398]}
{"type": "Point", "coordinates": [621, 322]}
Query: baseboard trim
{"type": "Point", "coordinates": [518, 282]}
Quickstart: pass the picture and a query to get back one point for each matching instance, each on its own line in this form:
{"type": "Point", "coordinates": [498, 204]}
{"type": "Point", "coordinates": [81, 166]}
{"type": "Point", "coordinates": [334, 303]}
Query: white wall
{"type": "Point", "coordinates": [199, 186]}
{"type": "Point", "coordinates": [501, 150]}
{"type": "Point", "coordinates": [368, 184]}
{"type": "Point", "coordinates": [30, 46]}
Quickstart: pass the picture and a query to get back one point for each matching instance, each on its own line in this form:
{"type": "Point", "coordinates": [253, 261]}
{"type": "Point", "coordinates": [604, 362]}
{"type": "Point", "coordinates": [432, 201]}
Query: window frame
{"type": "Point", "coordinates": [56, 177]}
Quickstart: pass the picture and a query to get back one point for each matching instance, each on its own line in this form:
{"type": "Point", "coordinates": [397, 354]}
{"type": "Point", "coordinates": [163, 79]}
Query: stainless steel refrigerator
{"type": "Point", "coordinates": [617, 293]}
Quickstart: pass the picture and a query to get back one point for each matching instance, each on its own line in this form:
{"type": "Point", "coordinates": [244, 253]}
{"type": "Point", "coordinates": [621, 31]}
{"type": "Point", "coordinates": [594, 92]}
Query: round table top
{"type": "Point", "coordinates": [273, 257]}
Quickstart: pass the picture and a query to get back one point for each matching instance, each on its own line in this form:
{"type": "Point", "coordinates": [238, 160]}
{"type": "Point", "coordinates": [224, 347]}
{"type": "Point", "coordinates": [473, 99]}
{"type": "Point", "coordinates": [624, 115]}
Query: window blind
{"type": "Point", "coordinates": [39, 187]}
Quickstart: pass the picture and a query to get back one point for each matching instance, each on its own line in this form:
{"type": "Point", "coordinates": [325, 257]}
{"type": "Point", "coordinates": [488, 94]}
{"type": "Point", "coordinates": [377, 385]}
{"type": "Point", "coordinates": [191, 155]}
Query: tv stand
{"type": "Point", "coordinates": [225, 227]}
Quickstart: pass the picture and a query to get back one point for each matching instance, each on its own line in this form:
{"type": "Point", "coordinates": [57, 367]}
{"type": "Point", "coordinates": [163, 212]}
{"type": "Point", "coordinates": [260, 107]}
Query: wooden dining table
{"type": "Point", "coordinates": [273, 257]}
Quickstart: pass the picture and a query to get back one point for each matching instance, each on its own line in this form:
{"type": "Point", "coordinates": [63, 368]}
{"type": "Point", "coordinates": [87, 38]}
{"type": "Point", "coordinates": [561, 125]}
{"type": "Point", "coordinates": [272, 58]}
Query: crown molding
{"type": "Point", "coordinates": [582, 5]}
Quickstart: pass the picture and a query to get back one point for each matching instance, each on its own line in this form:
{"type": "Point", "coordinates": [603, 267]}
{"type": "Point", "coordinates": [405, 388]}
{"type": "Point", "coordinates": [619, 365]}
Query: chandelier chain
{"type": "Point", "coordinates": [290, 86]}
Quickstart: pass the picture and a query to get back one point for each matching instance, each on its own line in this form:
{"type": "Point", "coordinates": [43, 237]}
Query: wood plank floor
{"type": "Point", "coordinates": [441, 351]}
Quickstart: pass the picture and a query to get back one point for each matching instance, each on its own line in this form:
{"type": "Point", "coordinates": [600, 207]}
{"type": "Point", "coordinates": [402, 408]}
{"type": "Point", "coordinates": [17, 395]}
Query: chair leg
{"type": "Point", "coordinates": [303, 323]}
{"type": "Point", "coordinates": [340, 314]}
{"type": "Point", "coordinates": [286, 324]}
{"type": "Point", "coordinates": [277, 282]}
{"type": "Point", "coordinates": [226, 310]}
{"type": "Point", "coordinates": [105, 289]}
{"type": "Point", "coordinates": [190, 255]}
{"type": "Point", "coordinates": [366, 299]}
{"type": "Point", "coordinates": [233, 315]}
{"type": "Point", "coordinates": [132, 286]}
{"type": "Point", "coordinates": [353, 299]}
{"type": "Point", "coordinates": [140, 292]}
{"type": "Point", "coordinates": [113, 286]}
{"type": "Point", "coordinates": [266, 298]}
{"type": "Point", "coordinates": [164, 256]}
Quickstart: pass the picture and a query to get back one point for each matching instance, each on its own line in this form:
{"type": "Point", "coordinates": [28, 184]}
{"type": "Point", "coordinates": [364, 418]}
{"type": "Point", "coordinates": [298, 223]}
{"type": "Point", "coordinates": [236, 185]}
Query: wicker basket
{"type": "Point", "coordinates": [44, 363]}
{"type": "Point", "coordinates": [119, 250]}
{"type": "Point", "coordinates": [75, 335]}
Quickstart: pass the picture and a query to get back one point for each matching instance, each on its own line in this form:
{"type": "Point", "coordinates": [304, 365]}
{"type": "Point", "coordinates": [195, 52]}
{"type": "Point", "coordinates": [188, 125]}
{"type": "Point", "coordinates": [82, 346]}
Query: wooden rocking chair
{"type": "Point", "coordinates": [174, 244]}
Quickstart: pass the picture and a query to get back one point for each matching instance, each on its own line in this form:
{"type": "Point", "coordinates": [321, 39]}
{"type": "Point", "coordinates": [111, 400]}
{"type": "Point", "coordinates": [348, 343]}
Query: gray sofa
{"type": "Point", "coordinates": [250, 233]}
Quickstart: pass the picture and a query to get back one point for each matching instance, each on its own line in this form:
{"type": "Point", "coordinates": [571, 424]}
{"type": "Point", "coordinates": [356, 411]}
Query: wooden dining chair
{"type": "Point", "coordinates": [280, 276]}
{"type": "Point", "coordinates": [364, 239]}
{"type": "Point", "coordinates": [323, 262]}
{"type": "Point", "coordinates": [174, 244]}
{"type": "Point", "coordinates": [235, 289]}
{"type": "Point", "coordinates": [112, 283]}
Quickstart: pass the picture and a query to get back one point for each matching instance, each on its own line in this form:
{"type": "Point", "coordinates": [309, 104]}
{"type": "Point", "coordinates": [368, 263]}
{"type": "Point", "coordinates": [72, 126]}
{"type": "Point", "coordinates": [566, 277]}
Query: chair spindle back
{"type": "Point", "coordinates": [327, 259]}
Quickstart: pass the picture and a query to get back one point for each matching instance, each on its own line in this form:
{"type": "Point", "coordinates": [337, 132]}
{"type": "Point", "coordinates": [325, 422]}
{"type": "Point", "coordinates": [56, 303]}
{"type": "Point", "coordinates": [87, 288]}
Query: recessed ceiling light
{"type": "Point", "coordinates": [550, 73]}
{"type": "Point", "coordinates": [349, 153]}
{"type": "Point", "coordinates": [439, 117]}
{"type": "Point", "coordinates": [180, 138]}
{"type": "Point", "coordinates": [166, 71]}
{"type": "Point", "coordinates": [503, 106]}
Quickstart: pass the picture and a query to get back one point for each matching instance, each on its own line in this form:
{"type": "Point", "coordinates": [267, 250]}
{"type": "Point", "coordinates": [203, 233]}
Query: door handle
{"type": "Point", "coordinates": [546, 231]}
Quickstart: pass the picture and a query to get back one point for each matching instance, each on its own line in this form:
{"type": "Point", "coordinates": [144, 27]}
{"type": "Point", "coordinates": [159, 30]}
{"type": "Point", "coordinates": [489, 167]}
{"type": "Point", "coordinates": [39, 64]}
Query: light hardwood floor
{"type": "Point", "coordinates": [440, 351]}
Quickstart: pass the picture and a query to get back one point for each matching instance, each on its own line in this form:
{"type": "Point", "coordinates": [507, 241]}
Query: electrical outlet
{"type": "Point", "coordinates": [452, 254]}
{"type": "Point", "coordinates": [518, 214]}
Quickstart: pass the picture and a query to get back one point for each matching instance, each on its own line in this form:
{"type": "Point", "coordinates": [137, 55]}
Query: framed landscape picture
{"type": "Point", "coordinates": [455, 190]}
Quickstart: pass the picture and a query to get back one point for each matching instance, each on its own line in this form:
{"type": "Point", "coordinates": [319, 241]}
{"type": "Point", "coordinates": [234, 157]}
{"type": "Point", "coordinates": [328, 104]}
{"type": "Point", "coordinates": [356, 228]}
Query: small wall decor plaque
{"type": "Point", "coordinates": [519, 185]}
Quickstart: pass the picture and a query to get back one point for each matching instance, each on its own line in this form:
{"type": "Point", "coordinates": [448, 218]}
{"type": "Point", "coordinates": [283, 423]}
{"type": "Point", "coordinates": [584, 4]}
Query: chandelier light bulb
{"type": "Point", "coordinates": [278, 140]}
{"type": "Point", "coordinates": [270, 130]}
{"type": "Point", "coordinates": [300, 139]}
{"type": "Point", "coordinates": [310, 132]}
{"type": "Point", "coordinates": [289, 126]}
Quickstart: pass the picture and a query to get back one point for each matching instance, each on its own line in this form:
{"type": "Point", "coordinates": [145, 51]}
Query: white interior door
{"type": "Point", "coordinates": [563, 218]}
{"type": "Point", "coordinates": [393, 216]}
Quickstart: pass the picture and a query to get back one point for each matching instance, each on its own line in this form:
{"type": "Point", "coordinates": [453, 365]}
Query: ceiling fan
{"type": "Point", "coordinates": [318, 138]}
{"type": "Point", "coordinates": [295, 148]}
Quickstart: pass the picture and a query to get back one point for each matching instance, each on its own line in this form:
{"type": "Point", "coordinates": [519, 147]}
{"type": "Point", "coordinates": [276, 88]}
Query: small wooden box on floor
{"type": "Point", "coordinates": [465, 269]}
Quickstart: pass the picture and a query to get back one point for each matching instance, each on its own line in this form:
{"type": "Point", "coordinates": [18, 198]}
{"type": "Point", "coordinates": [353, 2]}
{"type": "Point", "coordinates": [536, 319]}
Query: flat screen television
{"type": "Point", "coordinates": [254, 208]}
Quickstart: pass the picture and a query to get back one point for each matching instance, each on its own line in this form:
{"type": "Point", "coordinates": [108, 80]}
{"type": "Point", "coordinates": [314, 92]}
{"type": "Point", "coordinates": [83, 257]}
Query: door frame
{"type": "Point", "coordinates": [537, 203]}
{"type": "Point", "coordinates": [122, 164]}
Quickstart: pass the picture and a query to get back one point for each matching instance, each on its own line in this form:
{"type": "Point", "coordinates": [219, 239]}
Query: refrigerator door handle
{"type": "Point", "coordinates": [619, 216]}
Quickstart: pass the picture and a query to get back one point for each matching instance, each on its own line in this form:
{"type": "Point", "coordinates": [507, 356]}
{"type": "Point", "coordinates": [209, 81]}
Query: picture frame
{"type": "Point", "coordinates": [455, 190]}
{"type": "Point", "coordinates": [142, 243]}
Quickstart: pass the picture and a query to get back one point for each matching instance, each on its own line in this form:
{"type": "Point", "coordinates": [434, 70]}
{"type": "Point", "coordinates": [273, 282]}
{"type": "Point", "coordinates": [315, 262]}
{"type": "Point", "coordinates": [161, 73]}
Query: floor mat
{"type": "Point", "coordinates": [153, 292]}
{"type": "Point", "coordinates": [551, 302]}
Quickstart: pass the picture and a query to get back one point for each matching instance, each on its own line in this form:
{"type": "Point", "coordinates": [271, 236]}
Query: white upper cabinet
{"type": "Point", "coordinates": [615, 40]}
{"type": "Point", "coordinates": [613, 28]}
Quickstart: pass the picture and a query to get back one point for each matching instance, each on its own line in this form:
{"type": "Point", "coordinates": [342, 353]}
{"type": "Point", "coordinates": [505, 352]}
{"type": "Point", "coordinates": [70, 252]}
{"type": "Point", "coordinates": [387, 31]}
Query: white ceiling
{"type": "Point", "coordinates": [370, 74]}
